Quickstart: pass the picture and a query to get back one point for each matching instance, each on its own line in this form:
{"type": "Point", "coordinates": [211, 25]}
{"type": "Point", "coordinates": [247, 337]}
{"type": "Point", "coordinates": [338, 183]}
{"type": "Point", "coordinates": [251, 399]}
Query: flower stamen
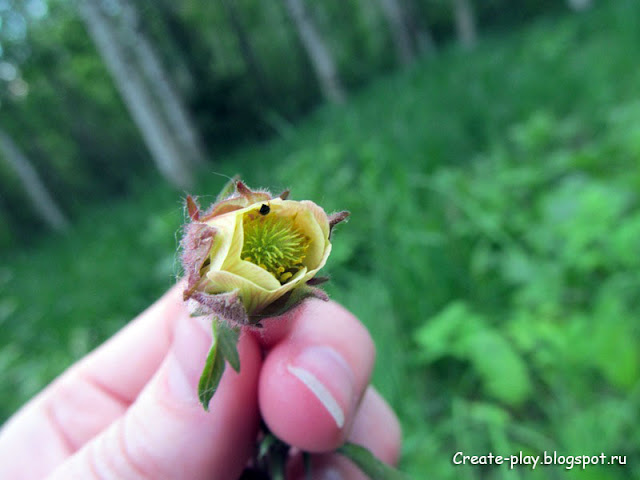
{"type": "Point", "coordinates": [274, 243]}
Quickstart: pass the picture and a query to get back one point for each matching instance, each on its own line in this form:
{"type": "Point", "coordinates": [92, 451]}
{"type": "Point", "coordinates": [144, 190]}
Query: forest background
{"type": "Point", "coordinates": [489, 152]}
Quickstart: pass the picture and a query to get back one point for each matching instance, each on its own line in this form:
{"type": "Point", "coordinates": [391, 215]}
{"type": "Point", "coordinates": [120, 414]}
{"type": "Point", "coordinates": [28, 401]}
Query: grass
{"type": "Point", "coordinates": [492, 249]}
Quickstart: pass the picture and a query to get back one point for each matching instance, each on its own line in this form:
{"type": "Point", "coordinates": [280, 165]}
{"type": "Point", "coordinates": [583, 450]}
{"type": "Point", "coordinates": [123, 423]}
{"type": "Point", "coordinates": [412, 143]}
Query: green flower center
{"type": "Point", "coordinates": [274, 243]}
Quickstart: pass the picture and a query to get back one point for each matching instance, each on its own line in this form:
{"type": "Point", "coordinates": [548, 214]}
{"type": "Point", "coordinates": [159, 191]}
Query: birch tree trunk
{"type": "Point", "coordinates": [319, 54]}
{"type": "Point", "coordinates": [246, 49]}
{"type": "Point", "coordinates": [157, 135]}
{"type": "Point", "coordinates": [162, 86]}
{"type": "Point", "coordinates": [396, 18]}
{"type": "Point", "coordinates": [465, 23]}
{"type": "Point", "coordinates": [417, 26]}
{"type": "Point", "coordinates": [35, 189]}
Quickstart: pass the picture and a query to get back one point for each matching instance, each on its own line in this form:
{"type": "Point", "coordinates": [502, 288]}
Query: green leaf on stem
{"type": "Point", "coordinates": [370, 465]}
{"type": "Point", "coordinates": [228, 341]}
{"type": "Point", "coordinates": [224, 347]}
{"type": "Point", "coordinates": [213, 369]}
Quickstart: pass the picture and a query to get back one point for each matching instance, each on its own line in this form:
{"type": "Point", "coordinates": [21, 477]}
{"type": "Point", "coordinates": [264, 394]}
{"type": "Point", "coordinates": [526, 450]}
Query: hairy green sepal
{"type": "Point", "coordinates": [228, 188]}
{"type": "Point", "coordinates": [223, 347]}
{"type": "Point", "coordinates": [288, 302]}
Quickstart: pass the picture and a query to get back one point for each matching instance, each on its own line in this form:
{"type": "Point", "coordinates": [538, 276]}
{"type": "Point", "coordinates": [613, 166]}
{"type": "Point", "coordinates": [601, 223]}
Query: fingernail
{"type": "Point", "coordinates": [191, 343]}
{"type": "Point", "coordinates": [328, 376]}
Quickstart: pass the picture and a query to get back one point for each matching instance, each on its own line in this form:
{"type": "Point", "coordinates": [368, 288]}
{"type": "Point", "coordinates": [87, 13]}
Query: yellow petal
{"type": "Point", "coordinates": [253, 296]}
{"type": "Point", "coordinates": [305, 220]}
{"type": "Point", "coordinates": [253, 273]}
{"type": "Point", "coordinates": [225, 226]}
{"type": "Point", "coordinates": [320, 216]}
{"type": "Point", "coordinates": [311, 273]}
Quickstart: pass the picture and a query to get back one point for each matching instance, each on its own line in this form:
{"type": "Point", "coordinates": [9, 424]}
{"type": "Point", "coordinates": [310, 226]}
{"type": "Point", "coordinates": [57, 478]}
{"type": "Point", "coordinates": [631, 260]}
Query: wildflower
{"type": "Point", "coordinates": [252, 255]}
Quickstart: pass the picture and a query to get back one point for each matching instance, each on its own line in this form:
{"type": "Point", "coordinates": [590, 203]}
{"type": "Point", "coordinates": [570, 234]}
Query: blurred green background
{"type": "Point", "coordinates": [489, 152]}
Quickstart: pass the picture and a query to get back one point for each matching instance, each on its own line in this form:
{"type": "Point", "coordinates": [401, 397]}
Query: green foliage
{"type": "Point", "coordinates": [461, 334]}
{"type": "Point", "coordinates": [77, 290]}
{"type": "Point", "coordinates": [224, 348]}
{"type": "Point", "coordinates": [492, 248]}
{"type": "Point", "coordinates": [63, 110]}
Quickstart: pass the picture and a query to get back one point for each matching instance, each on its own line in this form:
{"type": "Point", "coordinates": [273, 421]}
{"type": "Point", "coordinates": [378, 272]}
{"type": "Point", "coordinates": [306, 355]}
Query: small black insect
{"type": "Point", "coordinates": [264, 209]}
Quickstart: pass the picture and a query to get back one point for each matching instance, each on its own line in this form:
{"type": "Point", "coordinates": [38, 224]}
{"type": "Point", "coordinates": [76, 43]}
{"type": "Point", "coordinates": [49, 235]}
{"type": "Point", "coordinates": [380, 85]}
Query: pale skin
{"type": "Point", "coordinates": [129, 409]}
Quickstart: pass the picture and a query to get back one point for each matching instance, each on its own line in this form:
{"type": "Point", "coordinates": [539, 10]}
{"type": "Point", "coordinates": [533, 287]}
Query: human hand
{"type": "Point", "coordinates": [129, 410]}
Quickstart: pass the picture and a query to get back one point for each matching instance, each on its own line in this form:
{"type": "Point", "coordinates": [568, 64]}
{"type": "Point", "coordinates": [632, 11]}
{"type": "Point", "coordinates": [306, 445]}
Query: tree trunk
{"type": "Point", "coordinates": [396, 18]}
{"type": "Point", "coordinates": [159, 81]}
{"type": "Point", "coordinates": [123, 69]}
{"type": "Point", "coordinates": [422, 37]}
{"type": "Point", "coordinates": [321, 59]}
{"type": "Point", "coordinates": [42, 201]}
{"type": "Point", "coordinates": [246, 49]}
{"type": "Point", "coordinates": [465, 23]}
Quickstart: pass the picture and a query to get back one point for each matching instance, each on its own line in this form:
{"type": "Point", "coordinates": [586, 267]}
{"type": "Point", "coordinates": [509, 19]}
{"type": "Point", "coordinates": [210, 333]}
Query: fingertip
{"type": "Point", "coordinates": [298, 408]}
{"type": "Point", "coordinates": [313, 379]}
{"type": "Point", "coordinates": [377, 428]}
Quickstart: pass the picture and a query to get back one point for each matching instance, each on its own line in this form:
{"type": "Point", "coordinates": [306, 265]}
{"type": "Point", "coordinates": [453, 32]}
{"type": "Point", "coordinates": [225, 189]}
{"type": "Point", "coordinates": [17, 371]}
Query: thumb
{"type": "Point", "coordinates": [166, 433]}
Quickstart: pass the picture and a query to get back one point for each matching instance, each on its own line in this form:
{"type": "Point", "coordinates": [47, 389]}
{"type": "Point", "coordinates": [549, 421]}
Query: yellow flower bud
{"type": "Point", "coordinates": [252, 250]}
